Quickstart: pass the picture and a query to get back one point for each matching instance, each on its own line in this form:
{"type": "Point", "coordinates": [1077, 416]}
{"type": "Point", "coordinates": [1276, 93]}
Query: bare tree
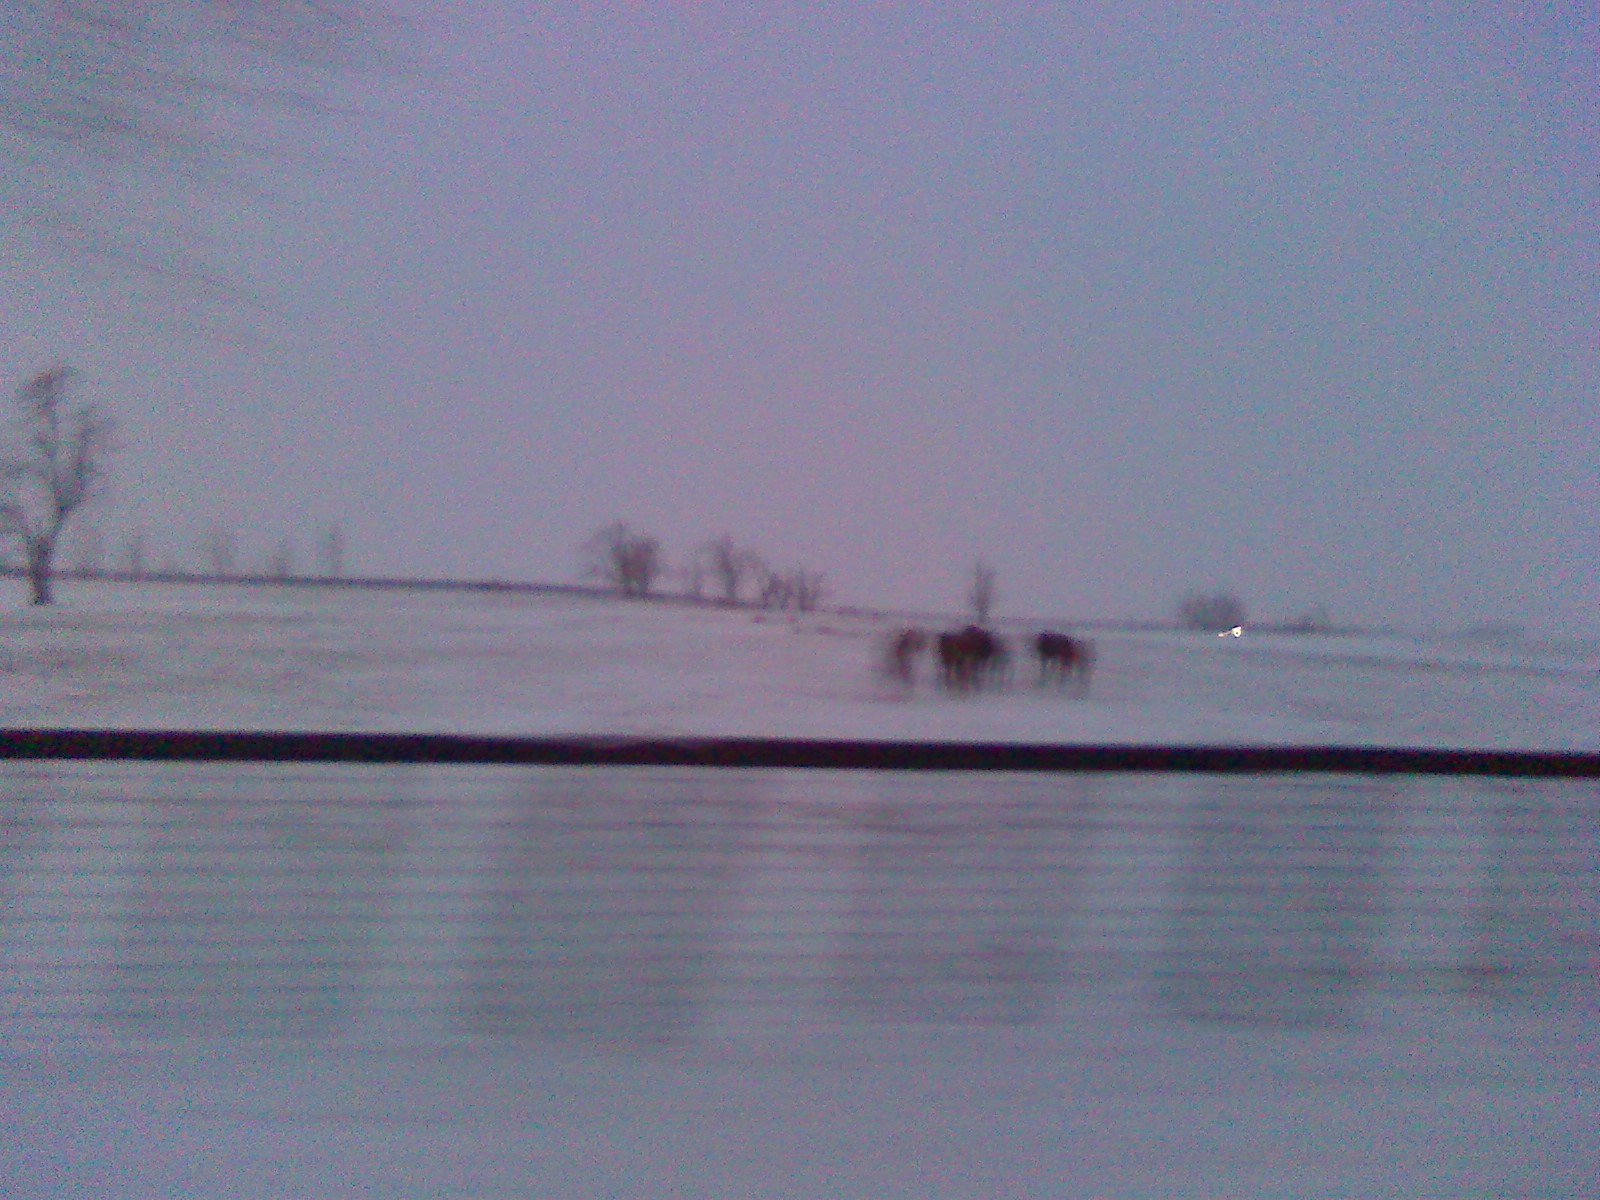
{"type": "Point", "coordinates": [693, 574]}
{"type": "Point", "coordinates": [133, 555]}
{"type": "Point", "coordinates": [281, 563]}
{"type": "Point", "coordinates": [52, 473]}
{"type": "Point", "coordinates": [330, 553]}
{"type": "Point", "coordinates": [807, 589]}
{"type": "Point", "coordinates": [774, 589]}
{"type": "Point", "coordinates": [90, 560]}
{"type": "Point", "coordinates": [730, 566]}
{"type": "Point", "coordinates": [626, 561]}
{"type": "Point", "coordinates": [220, 551]}
{"type": "Point", "coordinates": [798, 589]}
{"type": "Point", "coordinates": [983, 591]}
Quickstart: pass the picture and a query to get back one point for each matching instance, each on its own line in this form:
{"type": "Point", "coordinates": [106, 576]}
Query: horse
{"type": "Point", "coordinates": [1061, 657]}
{"type": "Point", "coordinates": [998, 669]}
{"type": "Point", "coordinates": [900, 657]}
{"type": "Point", "coordinates": [967, 656]}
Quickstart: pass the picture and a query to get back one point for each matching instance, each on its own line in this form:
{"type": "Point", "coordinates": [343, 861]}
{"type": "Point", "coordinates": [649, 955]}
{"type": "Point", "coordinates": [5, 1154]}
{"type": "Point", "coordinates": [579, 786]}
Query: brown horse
{"type": "Point", "coordinates": [967, 657]}
{"type": "Point", "coordinates": [1062, 658]}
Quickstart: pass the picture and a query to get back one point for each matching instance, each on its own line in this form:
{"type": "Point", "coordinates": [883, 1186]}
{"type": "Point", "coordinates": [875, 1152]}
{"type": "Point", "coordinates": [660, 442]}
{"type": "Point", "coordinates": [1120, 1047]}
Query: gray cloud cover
{"type": "Point", "coordinates": [1294, 300]}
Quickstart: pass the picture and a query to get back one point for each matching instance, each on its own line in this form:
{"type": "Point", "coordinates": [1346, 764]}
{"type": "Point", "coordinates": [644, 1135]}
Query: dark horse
{"type": "Point", "coordinates": [968, 656]}
{"type": "Point", "coordinates": [900, 659]}
{"type": "Point", "coordinates": [1062, 657]}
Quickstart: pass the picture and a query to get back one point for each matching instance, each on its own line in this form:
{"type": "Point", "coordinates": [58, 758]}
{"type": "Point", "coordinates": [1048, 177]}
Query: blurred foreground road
{"type": "Point", "coordinates": [295, 982]}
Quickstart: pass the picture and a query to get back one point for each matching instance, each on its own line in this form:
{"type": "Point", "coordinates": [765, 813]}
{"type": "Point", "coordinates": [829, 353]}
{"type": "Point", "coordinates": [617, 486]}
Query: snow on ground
{"type": "Point", "coordinates": [508, 663]}
{"type": "Point", "coordinates": [573, 983]}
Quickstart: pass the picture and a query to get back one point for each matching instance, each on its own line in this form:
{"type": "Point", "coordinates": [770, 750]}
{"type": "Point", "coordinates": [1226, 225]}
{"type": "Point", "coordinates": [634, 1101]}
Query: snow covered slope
{"type": "Point", "coordinates": [436, 661]}
{"type": "Point", "coordinates": [292, 981]}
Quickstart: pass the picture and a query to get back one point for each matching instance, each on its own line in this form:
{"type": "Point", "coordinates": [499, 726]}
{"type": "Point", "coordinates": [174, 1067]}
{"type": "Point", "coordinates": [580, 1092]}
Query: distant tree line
{"type": "Point", "coordinates": [1217, 612]}
{"type": "Point", "coordinates": [1211, 611]}
{"type": "Point", "coordinates": [217, 555]}
{"type": "Point", "coordinates": [632, 564]}
{"type": "Point", "coordinates": [53, 461]}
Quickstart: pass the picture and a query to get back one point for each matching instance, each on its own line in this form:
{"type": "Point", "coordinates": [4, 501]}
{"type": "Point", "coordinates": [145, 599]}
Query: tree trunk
{"type": "Point", "coordinates": [40, 554]}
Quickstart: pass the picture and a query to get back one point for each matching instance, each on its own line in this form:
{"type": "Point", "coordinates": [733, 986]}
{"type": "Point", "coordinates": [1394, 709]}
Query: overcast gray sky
{"type": "Point", "coordinates": [1294, 300]}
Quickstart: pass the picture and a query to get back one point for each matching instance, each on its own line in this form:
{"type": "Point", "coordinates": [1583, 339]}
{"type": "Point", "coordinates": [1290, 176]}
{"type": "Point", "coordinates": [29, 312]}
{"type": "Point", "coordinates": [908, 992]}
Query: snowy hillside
{"type": "Point", "coordinates": [507, 663]}
{"type": "Point", "coordinates": [505, 982]}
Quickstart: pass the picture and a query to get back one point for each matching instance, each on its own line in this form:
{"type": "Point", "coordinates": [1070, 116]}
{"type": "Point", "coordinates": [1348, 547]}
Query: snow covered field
{"type": "Point", "coordinates": [292, 658]}
{"type": "Point", "coordinates": [336, 981]}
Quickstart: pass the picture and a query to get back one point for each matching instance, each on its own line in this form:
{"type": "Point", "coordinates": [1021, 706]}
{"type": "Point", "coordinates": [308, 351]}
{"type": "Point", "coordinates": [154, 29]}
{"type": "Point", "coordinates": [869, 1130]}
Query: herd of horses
{"type": "Point", "coordinates": [972, 658]}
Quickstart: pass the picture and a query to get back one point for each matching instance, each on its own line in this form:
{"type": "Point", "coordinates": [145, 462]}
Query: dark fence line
{"type": "Point", "coordinates": [189, 745]}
